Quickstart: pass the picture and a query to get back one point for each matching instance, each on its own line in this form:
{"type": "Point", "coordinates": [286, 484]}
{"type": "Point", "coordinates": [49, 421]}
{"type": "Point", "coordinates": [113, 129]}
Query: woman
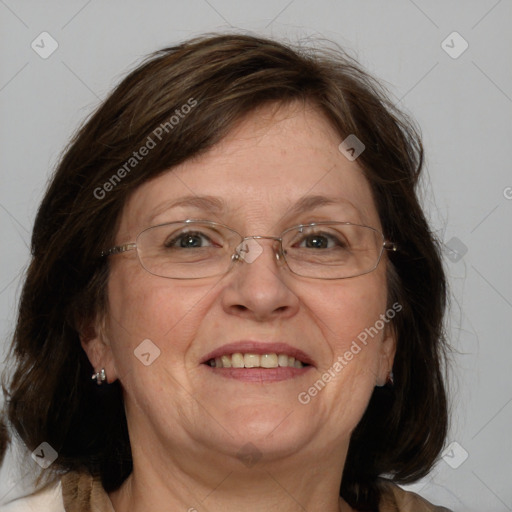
{"type": "Point", "coordinates": [233, 248]}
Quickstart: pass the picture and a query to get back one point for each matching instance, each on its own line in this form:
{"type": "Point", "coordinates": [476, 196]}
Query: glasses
{"type": "Point", "coordinates": [195, 249]}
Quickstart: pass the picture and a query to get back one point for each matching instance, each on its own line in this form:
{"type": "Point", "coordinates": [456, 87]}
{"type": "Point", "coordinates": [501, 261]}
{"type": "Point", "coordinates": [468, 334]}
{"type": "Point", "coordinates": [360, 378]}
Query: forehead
{"type": "Point", "coordinates": [277, 162]}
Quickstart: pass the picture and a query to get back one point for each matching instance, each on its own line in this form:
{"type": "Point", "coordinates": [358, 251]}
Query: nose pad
{"type": "Point", "coordinates": [279, 253]}
{"type": "Point", "coordinates": [249, 250]}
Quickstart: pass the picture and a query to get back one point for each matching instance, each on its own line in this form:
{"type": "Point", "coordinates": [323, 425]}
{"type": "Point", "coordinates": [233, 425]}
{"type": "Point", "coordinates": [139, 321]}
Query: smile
{"type": "Point", "coordinates": [239, 360]}
{"type": "Point", "coordinates": [256, 361]}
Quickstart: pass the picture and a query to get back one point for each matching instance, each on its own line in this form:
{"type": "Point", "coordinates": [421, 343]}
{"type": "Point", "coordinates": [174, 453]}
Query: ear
{"type": "Point", "coordinates": [386, 355]}
{"type": "Point", "coordinates": [96, 344]}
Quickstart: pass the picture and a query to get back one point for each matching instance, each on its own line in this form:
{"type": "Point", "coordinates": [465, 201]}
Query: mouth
{"type": "Point", "coordinates": [258, 362]}
{"type": "Point", "coordinates": [248, 360]}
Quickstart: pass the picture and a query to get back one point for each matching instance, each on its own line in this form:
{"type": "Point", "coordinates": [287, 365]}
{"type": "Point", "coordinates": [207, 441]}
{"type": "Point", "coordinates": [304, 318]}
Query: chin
{"type": "Point", "coordinates": [271, 429]}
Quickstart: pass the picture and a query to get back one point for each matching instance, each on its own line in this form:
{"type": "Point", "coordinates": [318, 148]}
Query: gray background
{"type": "Point", "coordinates": [462, 104]}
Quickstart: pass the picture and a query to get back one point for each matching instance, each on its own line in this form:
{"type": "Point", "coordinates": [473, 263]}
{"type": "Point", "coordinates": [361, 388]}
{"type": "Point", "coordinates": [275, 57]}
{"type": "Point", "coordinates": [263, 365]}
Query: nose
{"type": "Point", "coordinates": [258, 285]}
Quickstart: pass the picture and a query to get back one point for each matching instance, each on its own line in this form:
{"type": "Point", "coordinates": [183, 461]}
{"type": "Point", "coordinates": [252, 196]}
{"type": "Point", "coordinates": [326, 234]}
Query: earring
{"type": "Point", "coordinates": [390, 381]}
{"type": "Point", "coordinates": [100, 377]}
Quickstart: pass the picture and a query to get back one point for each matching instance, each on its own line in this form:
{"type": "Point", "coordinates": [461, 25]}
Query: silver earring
{"type": "Point", "coordinates": [391, 379]}
{"type": "Point", "coordinates": [100, 377]}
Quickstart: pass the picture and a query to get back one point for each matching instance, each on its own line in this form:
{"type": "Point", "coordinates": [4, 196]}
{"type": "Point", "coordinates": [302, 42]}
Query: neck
{"type": "Point", "coordinates": [196, 483]}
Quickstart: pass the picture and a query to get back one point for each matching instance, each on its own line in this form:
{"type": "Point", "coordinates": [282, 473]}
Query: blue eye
{"type": "Point", "coordinates": [316, 242]}
{"type": "Point", "coordinates": [188, 240]}
{"type": "Point", "coordinates": [320, 241]}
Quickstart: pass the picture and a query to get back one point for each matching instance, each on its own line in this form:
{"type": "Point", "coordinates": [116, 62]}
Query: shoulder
{"type": "Point", "coordinates": [17, 489]}
{"type": "Point", "coordinates": [396, 499]}
{"type": "Point", "coordinates": [64, 492]}
{"type": "Point", "coordinates": [48, 499]}
{"type": "Point", "coordinates": [74, 492]}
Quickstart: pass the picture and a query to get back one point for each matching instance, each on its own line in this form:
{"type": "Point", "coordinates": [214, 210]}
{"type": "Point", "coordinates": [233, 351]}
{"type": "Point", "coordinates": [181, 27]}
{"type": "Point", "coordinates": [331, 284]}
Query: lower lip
{"type": "Point", "coordinates": [260, 374]}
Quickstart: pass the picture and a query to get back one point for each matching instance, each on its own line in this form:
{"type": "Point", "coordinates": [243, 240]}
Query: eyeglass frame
{"type": "Point", "coordinates": [119, 249]}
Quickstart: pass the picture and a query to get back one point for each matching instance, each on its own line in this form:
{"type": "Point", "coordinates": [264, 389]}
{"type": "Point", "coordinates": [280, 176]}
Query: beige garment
{"type": "Point", "coordinates": [83, 493]}
{"type": "Point", "coordinates": [395, 499]}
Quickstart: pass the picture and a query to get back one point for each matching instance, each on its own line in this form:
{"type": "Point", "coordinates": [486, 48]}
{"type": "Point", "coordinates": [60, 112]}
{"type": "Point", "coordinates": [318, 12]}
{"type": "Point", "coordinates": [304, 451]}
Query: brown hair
{"type": "Point", "coordinates": [50, 396]}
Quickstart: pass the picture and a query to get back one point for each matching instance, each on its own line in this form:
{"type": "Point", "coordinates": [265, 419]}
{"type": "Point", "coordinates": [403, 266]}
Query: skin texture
{"type": "Point", "coordinates": [186, 423]}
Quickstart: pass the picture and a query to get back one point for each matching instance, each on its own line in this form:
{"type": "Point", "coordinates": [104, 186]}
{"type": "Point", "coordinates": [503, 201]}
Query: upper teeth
{"type": "Point", "coordinates": [239, 360]}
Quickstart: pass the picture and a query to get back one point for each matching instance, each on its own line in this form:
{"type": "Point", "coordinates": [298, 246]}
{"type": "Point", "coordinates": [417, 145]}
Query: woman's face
{"type": "Point", "coordinates": [174, 399]}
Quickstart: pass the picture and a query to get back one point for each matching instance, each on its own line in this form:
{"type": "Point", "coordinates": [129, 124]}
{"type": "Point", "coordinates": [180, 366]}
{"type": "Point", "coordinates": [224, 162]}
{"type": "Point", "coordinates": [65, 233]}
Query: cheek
{"type": "Point", "coordinates": [159, 318]}
{"type": "Point", "coordinates": [349, 318]}
{"type": "Point", "coordinates": [141, 308]}
{"type": "Point", "coordinates": [349, 314]}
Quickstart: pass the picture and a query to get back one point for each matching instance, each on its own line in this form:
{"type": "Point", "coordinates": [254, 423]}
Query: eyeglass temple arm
{"type": "Point", "coordinates": [390, 246]}
{"type": "Point", "coordinates": [119, 249]}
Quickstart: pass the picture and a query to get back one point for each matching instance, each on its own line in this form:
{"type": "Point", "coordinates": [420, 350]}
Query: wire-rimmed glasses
{"type": "Point", "coordinates": [195, 249]}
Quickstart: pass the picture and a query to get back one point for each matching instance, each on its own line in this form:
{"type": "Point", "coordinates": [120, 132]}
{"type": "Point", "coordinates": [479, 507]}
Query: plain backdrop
{"type": "Point", "coordinates": [446, 63]}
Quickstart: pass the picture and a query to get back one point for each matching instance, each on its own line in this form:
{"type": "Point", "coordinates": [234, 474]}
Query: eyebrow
{"type": "Point", "coordinates": [216, 205]}
{"type": "Point", "coordinates": [207, 203]}
{"type": "Point", "coordinates": [312, 202]}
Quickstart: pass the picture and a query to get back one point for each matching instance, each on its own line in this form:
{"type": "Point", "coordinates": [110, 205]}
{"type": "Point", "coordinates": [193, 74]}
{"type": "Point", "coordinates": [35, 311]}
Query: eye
{"type": "Point", "coordinates": [189, 240]}
{"type": "Point", "coordinates": [320, 241]}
